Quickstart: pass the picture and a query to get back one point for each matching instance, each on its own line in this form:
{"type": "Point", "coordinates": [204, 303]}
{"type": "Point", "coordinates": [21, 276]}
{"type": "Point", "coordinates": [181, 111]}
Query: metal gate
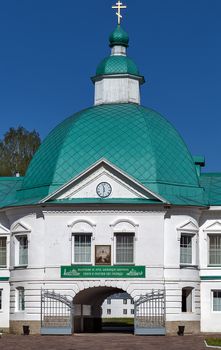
{"type": "Point", "coordinates": [149, 314]}
{"type": "Point", "coordinates": [56, 313]}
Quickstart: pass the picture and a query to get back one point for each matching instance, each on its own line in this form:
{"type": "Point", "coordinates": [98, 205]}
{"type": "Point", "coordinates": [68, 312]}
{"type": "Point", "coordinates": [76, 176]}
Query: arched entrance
{"type": "Point", "coordinates": [82, 312]}
{"type": "Point", "coordinates": [87, 305]}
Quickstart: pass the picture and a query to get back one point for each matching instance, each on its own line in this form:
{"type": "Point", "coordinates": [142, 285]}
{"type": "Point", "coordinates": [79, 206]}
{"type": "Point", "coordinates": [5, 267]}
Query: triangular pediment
{"type": "Point", "coordinates": [4, 230]}
{"type": "Point", "coordinates": [188, 226]}
{"type": "Point", "coordinates": [19, 228]}
{"type": "Point", "coordinates": [215, 226]}
{"type": "Point", "coordinates": [88, 185]}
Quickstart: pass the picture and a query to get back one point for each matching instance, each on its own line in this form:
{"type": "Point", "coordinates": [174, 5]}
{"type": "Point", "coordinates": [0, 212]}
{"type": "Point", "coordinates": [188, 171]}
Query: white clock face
{"type": "Point", "coordinates": [104, 189]}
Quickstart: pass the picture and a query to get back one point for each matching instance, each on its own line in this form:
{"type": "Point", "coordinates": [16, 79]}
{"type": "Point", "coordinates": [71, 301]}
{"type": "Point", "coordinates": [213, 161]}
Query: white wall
{"type": "Point", "coordinates": [117, 90]}
{"type": "Point", "coordinates": [4, 312]}
{"type": "Point", "coordinates": [156, 247]}
{"type": "Point", "coordinates": [50, 247]}
{"type": "Point", "coordinates": [210, 320]}
{"type": "Point", "coordinates": [210, 224]}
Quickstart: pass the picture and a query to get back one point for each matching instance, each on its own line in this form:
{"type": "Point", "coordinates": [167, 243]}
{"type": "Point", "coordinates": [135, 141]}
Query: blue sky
{"type": "Point", "coordinates": [50, 49]}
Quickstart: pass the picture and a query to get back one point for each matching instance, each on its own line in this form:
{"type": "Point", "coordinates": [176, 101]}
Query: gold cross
{"type": "Point", "coordinates": [119, 6]}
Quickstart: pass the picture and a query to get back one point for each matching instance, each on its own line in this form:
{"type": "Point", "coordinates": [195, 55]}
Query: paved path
{"type": "Point", "coordinates": [101, 342]}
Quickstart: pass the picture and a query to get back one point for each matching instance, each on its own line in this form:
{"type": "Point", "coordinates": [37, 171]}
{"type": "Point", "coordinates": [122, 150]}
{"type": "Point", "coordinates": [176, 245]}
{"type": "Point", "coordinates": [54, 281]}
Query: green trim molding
{"type": "Point", "coordinates": [81, 271]}
{"type": "Point", "coordinates": [4, 278]}
{"type": "Point", "coordinates": [207, 278]}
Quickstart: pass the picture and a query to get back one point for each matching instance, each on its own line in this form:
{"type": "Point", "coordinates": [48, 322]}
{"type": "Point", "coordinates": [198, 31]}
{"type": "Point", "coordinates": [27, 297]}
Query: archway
{"type": "Point", "coordinates": [88, 308]}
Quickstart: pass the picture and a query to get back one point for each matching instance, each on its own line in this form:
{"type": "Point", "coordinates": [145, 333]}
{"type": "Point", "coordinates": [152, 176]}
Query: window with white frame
{"type": "Point", "coordinates": [3, 251]}
{"type": "Point", "coordinates": [132, 311]}
{"type": "Point", "coordinates": [21, 250]}
{"type": "Point", "coordinates": [124, 311]}
{"type": "Point", "coordinates": [108, 311]}
{"type": "Point", "coordinates": [216, 300]}
{"type": "Point", "coordinates": [215, 249]}
{"type": "Point", "coordinates": [82, 248]}
{"type": "Point", "coordinates": [20, 299]}
{"type": "Point", "coordinates": [124, 248]}
{"type": "Point", "coordinates": [0, 299]}
{"type": "Point", "coordinates": [186, 249]}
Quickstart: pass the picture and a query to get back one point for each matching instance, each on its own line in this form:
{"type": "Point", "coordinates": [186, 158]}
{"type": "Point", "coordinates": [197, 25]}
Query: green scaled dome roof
{"type": "Point", "coordinates": [137, 140]}
{"type": "Point", "coordinates": [119, 37]}
{"type": "Point", "coordinates": [117, 65]}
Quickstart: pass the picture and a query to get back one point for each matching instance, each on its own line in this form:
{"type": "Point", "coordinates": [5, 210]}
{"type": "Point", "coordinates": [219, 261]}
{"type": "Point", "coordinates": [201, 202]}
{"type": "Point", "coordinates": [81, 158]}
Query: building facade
{"type": "Point", "coordinates": [119, 305]}
{"type": "Point", "coordinates": [112, 202]}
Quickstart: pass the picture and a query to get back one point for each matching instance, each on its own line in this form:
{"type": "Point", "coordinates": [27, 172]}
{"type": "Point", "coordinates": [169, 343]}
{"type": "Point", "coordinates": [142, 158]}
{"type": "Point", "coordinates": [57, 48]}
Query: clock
{"type": "Point", "coordinates": [104, 189]}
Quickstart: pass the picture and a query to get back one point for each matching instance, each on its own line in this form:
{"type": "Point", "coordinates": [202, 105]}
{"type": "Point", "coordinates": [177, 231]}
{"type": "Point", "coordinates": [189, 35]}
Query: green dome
{"type": "Point", "coordinates": [137, 140]}
{"type": "Point", "coordinates": [117, 65]}
{"type": "Point", "coordinates": [119, 37]}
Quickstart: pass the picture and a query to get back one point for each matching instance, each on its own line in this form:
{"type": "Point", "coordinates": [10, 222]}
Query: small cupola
{"type": "Point", "coordinates": [119, 37]}
{"type": "Point", "coordinates": [117, 78]}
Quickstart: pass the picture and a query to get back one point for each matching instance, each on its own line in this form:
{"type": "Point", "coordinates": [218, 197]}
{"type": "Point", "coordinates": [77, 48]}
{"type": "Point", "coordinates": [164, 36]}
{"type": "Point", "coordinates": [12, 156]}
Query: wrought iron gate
{"type": "Point", "coordinates": [56, 313]}
{"type": "Point", "coordinates": [149, 314]}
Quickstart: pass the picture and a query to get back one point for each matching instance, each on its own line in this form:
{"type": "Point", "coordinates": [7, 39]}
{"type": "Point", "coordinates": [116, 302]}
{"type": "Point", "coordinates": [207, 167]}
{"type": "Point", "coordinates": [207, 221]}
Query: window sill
{"type": "Point", "coordinates": [17, 267]}
{"type": "Point", "coordinates": [80, 264]}
{"type": "Point", "coordinates": [124, 264]}
{"type": "Point", "coordinates": [183, 266]}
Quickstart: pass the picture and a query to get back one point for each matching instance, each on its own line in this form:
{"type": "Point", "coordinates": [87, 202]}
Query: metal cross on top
{"type": "Point", "coordinates": [119, 5]}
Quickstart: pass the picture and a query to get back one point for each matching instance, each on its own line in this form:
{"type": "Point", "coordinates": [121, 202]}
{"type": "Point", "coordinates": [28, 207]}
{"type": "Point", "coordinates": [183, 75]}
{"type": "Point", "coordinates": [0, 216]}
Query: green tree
{"type": "Point", "coordinates": [16, 150]}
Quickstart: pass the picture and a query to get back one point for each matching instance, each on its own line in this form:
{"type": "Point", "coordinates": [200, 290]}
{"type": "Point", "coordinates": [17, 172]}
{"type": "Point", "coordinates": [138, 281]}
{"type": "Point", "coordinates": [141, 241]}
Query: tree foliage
{"type": "Point", "coordinates": [16, 150]}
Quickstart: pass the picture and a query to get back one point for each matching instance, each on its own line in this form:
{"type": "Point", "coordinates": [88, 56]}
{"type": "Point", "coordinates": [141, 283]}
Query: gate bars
{"type": "Point", "coordinates": [56, 313]}
{"type": "Point", "coordinates": [149, 315]}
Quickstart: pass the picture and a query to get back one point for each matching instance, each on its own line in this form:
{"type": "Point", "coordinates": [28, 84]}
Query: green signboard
{"type": "Point", "coordinates": [79, 271]}
{"type": "Point", "coordinates": [207, 278]}
{"type": "Point", "coordinates": [4, 278]}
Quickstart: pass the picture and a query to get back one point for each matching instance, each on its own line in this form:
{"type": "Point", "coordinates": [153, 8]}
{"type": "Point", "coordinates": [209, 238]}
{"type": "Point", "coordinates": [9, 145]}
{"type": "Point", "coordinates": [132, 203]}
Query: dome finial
{"type": "Point", "coordinates": [119, 6]}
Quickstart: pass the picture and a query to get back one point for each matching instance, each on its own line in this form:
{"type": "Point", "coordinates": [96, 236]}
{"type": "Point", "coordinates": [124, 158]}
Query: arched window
{"type": "Point", "coordinates": [187, 299]}
{"type": "Point", "coordinates": [82, 248]}
{"type": "Point", "coordinates": [124, 243]}
{"type": "Point", "coordinates": [82, 232]}
{"type": "Point", "coordinates": [124, 233]}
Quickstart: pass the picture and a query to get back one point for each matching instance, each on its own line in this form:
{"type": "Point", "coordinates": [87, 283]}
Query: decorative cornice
{"type": "Point", "coordinates": [95, 211]}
